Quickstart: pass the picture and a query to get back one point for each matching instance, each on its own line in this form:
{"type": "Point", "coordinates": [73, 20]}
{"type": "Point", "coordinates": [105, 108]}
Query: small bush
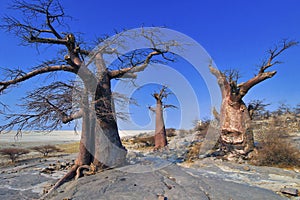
{"type": "Point", "coordinates": [275, 149]}
{"type": "Point", "coordinates": [13, 153]}
{"type": "Point", "coordinates": [171, 132]}
{"type": "Point", "coordinates": [193, 152]}
{"type": "Point", "coordinates": [46, 149]}
{"type": "Point", "coordinates": [201, 125]}
{"type": "Point", "coordinates": [148, 141]}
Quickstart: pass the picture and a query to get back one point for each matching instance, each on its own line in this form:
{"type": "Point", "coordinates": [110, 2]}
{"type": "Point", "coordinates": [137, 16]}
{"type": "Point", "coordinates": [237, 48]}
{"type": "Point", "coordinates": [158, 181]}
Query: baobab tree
{"type": "Point", "coordinates": [235, 131]}
{"type": "Point", "coordinates": [49, 106]}
{"type": "Point", "coordinates": [160, 137]}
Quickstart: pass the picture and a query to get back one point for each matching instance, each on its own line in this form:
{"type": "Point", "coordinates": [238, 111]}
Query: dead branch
{"type": "Point", "coordinates": [20, 78]}
{"type": "Point", "coordinates": [228, 80]}
{"type": "Point", "coordinates": [129, 72]}
{"type": "Point", "coordinates": [221, 78]}
{"type": "Point", "coordinates": [263, 74]}
{"type": "Point", "coordinates": [47, 14]}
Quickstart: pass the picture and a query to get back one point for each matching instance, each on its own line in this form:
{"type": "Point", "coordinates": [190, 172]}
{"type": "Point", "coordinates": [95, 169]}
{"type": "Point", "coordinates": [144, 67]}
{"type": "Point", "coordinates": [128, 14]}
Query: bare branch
{"type": "Point", "coordinates": [22, 76]}
{"type": "Point", "coordinates": [221, 78]}
{"type": "Point", "coordinates": [46, 108]}
{"type": "Point", "coordinates": [151, 109]}
{"type": "Point", "coordinates": [33, 39]}
{"type": "Point", "coordinates": [163, 93]}
{"type": "Point", "coordinates": [50, 12]}
{"type": "Point", "coordinates": [228, 81]}
{"type": "Point", "coordinates": [170, 106]}
{"type": "Point", "coordinates": [64, 117]}
{"type": "Point", "coordinates": [134, 68]}
{"type": "Point", "coordinates": [274, 53]}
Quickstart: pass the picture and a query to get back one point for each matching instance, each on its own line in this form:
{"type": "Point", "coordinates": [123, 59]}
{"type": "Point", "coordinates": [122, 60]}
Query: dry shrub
{"type": "Point", "coordinates": [147, 141]}
{"type": "Point", "coordinates": [276, 149]}
{"type": "Point", "coordinates": [201, 125]}
{"type": "Point", "coordinates": [171, 132]}
{"type": "Point", "coordinates": [46, 149]}
{"type": "Point", "coordinates": [193, 152]}
{"type": "Point", "coordinates": [13, 153]}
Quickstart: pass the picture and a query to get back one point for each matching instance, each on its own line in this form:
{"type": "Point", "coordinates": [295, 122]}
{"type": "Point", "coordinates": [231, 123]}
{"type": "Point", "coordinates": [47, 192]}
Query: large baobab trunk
{"type": "Point", "coordinates": [100, 144]}
{"type": "Point", "coordinates": [236, 134]}
{"type": "Point", "coordinates": [160, 137]}
{"type": "Point", "coordinates": [86, 141]}
{"type": "Point", "coordinates": [235, 129]}
{"type": "Point", "coordinates": [109, 151]}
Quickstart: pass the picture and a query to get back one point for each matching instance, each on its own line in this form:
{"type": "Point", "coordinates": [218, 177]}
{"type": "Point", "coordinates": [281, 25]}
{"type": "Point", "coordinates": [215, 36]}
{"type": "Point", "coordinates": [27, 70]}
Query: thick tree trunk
{"type": "Point", "coordinates": [109, 151]}
{"type": "Point", "coordinates": [236, 134]}
{"type": "Point", "coordinates": [235, 125]}
{"type": "Point", "coordinates": [160, 136]}
{"type": "Point", "coordinates": [86, 141]}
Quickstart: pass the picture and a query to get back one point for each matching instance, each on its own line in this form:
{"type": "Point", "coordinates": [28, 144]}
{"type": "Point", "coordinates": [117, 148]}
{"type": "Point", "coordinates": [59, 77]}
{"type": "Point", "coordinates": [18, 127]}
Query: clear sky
{"type": "Point", "coordinates": [235, 33]}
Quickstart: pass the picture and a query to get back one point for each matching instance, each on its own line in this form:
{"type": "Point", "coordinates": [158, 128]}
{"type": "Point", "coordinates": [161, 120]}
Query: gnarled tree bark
{"type": "Point", "coordinates": [235, 127]}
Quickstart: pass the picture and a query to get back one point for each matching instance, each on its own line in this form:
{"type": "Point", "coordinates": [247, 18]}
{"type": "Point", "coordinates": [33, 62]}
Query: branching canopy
{"type": "Point", "coordinates": [44, 23]}
{"type": "Point", "coordinates": [228, 80]}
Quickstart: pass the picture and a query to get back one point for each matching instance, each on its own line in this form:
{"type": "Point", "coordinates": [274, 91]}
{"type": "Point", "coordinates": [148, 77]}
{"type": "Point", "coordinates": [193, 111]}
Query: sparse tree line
{"type": "Point", "coordinates": [14, 153]}
{"type": "Point", "coordinates": [50, 106]}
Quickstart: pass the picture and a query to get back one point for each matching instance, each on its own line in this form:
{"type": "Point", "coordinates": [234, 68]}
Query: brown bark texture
{"type": "Point", "coordinates": [160, 137]}
{"type": "Point", "coordinates": [235, 120]}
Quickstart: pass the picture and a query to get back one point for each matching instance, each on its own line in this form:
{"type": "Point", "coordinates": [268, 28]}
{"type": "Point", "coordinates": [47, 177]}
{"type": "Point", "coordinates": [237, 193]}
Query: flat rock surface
{"type": "Point", "coordinates": [153, 176]}
{"type": "Point", "coordinates": [150, 180]}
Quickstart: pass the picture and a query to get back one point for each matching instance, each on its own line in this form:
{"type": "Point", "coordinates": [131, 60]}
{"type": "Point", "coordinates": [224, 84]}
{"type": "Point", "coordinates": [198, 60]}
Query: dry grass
{"type": "Point", "coordinates": [193, 152]}
{"type": "Point", "coordinates": [69, 147]}
{"type": "Point", "coordinates": [276, 149]}
{"type": "Point", "coordinates": [144, 141]}
{"type": "Point", "coordinates": [171, 132]}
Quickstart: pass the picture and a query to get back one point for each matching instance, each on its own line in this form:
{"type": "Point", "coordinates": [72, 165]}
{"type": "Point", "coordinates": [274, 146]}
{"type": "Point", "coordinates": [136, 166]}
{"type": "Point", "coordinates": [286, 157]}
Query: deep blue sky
{"type": "Point", "coordinates": [236, 34]}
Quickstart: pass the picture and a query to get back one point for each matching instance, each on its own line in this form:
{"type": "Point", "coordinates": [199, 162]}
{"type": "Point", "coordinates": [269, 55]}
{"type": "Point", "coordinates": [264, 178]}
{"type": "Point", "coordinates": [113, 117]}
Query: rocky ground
{"type": "Point", "coordinates": [152, 175]}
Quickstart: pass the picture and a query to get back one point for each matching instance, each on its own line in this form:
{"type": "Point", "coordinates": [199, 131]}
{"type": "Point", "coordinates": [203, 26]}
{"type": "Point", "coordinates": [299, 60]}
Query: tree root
{"type": "Point", "coordinates": [61, 181]}
{"type": "Point", "coordinates": [80, 170]}
{"type": "Point", "coordinates": [76, 172]}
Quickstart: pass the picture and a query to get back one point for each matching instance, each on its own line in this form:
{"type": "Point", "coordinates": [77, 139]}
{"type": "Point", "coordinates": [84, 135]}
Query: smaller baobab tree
{"type": "Point", "coordinates": [235, 131]}
{"type": "Point", "coordinates": [160, 137]}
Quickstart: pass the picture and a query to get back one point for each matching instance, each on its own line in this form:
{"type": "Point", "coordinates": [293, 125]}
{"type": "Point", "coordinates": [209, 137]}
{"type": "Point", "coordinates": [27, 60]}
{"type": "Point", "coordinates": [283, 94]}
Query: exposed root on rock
{"type": "Point", "coordinates": [75, 172]}
{"type": "Point", "coordinates": [85, 170]}
{"type": "Point", "coordinates": [70, 175]}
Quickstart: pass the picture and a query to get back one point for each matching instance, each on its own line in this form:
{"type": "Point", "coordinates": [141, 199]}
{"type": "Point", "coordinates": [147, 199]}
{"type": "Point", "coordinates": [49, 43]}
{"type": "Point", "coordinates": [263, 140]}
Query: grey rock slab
{"type": "Point", "coordinates": [171, 181]}
{"type": "Point", "coordinates": [117, 184]}
{"type": "Point", "coordinates": [270, 178]}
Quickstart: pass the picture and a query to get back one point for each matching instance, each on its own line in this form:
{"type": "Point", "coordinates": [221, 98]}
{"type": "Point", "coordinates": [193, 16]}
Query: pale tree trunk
{"type": "Point", "coordinates": [86, 141]}
{"type": "Point", "coordinates": [160, 136]}
{"type": "Point", "coordinates": [235, 126]}
{"type": "Point", "coordinates": [236, 134]}
{"type": "Point", "coordinates": [109, 151]}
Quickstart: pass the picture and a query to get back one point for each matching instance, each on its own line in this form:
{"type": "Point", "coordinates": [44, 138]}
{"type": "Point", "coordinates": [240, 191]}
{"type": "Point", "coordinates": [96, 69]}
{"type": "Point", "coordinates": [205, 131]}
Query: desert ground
{"type": "Point", "coordinates": [147, 174]}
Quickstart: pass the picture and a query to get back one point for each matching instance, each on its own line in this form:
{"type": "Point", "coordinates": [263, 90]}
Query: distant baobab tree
{"type": "Point", "coordinates": [160, 137]}
{"type": "Point", "coordinates": [235, 131]}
